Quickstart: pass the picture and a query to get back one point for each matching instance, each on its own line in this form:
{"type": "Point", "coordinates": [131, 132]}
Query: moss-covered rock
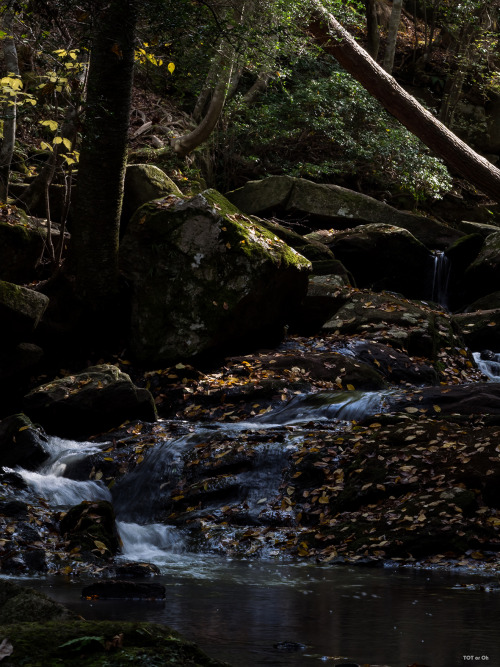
{"type": "Point", "coordinates": [203, 276]}
{"type": "Point", "coordinates": [488, 302]}
{"type": "Point", "coordinates": [334, 205]}
{"type": "Point", "coordinates": [20, 310]}
{"type": "Point", "coordinates": [106, 643]}
{"type": "Point", "coordinates": [19, 604]}
{"type": "Point", "coordinates": [100, 398]}
{"type": "Point", "coordinates": [143, 183]}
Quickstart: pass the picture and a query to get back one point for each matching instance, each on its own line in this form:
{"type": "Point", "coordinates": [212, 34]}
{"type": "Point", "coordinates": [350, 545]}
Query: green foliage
{"type": "Point", "coordinates": [321, 124]}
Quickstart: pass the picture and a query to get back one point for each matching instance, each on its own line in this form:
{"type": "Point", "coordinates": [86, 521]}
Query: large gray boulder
{"type": "Point", "coordinates": [81, 405]}
{"type": "Point", "coordinates": [385, 257]}
{"type": "Point", "coordinates": [20, 310]}
{"type": "Point", "coordinates": [143, 183]}
{"type": "Point", "coordinates": [334, 206]}
{"type": "Point", "coordinates": [203, 276]}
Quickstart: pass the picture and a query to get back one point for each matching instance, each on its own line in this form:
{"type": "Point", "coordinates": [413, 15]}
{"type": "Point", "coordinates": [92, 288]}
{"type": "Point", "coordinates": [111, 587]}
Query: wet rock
{"type": "Point", "coordinates": [468, 399]}
{"type": "Point", "coordinates": [205, 276]}
{"type": "Point", "coordinates": [98, 399]}
{"type": "Point", "coordinates": [14, 509]}
{"type": "Point", "coordinates": [135, 570]}
{"type": "Point", "coordinates": [410, 326]}
{"type": "Point", "coordinates": [22, 443]}
{"type": "Point", "coordinates": [393, 364]}
{"type": "Point", "coordinates": [117, 589]}
{"type": "Point", "coordinates": [90, 528]}
{"type": "Point", "coordinates": [480, 329]}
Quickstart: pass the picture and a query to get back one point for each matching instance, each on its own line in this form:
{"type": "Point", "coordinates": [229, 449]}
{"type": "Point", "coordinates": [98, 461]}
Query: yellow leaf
{"type": "Point", "coordinates": [171, 67]}
{"type": "Point", "coordinates": [23, 428]}
{"type": "Point", "coordinates": [323, 500]}
{"type": "Point", "coordinates": [350, 387]}
{"type": "Point", "coordinates": [98, 475]}
{"type": "Point", "coordinates": [67, 143]}
{"type": "Point", "coordinates": [100, 545]}
{"type": "Point", "coordinates": [51, 124]}
{"type": "Point", "coordinates": [436, 408]}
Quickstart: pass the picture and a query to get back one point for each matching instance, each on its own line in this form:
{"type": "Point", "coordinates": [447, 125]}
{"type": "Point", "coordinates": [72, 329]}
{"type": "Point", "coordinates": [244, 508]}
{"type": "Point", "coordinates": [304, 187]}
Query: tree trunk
{"type": "Point", "coordinates": [459, 156]}
{"type": "Point", "coordinates": [10, 112]}
{"type": "Point", "coordinates": [372, 28]}
{"type": "Point", "coordinates": [392, 35]}
{"type": "Point", "coordinates": [101, 171]}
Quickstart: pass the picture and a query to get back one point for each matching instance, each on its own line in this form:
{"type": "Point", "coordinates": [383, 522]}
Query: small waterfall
{"type": "Point", "coordinates": [326, 406]}
{"type": "Point", "coordinates": [149, 542]}
{"type": "Point", "coordinates": [60, 491]}
{"type": "Point", "coordinates": [489, 364]}
{"type": "Point", "coordinates": [440, 278]}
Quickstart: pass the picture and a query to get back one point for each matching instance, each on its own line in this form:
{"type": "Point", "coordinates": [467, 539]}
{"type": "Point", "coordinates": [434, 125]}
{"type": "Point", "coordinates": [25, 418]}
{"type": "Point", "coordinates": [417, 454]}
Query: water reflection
{"type": "Point", "coordinates": [386, 617]}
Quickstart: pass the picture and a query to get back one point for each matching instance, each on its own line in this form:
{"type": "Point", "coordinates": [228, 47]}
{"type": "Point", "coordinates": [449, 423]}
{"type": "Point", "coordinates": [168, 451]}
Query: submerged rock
{"type": "Point", "coordinates": [124, 590]}
{"type": "Point", "coordinates": [204, 276]}
{"type": "Point", "coordinates": [100, 398]}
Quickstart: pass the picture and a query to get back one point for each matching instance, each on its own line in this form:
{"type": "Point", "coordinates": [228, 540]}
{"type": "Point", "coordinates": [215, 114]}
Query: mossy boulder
{"type": "Point", "coordinates": [22, 443]}
{"type": "Point", "coordinates": [98, 399]}
{"type": "Point", "coordinates": [143, 183]}
{"type": "Point", "coordinates": [100, 643]}
{"type": "Point", "coordinates": [20, 310]}
{"type": "Point", "coordinates": [382, 256]}
{"type": "Point", "coordinates": [203, 276]}
{"type": "Point", "coordinates": [334, 205]}
{"type": "Point", "coordinates": [19, 604]}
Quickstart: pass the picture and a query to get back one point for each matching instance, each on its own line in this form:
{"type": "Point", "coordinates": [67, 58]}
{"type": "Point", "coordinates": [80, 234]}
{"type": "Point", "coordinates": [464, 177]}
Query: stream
{"type": "Point", "coordinates": [266, 612]}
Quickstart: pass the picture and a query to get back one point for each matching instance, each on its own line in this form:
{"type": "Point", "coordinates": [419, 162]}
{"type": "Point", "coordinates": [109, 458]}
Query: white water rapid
{"type": "Point", "coordinates": [489, 364]}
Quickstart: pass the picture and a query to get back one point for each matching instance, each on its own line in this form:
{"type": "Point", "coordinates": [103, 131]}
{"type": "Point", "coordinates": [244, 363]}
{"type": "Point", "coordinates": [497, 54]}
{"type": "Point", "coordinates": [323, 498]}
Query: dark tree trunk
{"type": "Point", "coordinates": [10, 112]}
{"type": "Point", "coordinates": [372, 28]}
{"type": "Point", "coordinates": [459, 156]}
{"type": "Point", "coordinates": [101, 172]}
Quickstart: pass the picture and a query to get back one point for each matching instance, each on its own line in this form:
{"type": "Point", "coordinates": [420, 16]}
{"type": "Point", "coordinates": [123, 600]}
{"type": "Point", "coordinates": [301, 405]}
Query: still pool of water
{"type": "Point", "coordinates": [239, 612]}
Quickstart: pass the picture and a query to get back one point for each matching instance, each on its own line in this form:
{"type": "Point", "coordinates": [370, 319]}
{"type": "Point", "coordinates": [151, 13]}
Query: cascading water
{"type": "Point", "coordinates": [140, 497]}
{"type": "Point", "coordinates": [50, 482]}
{"type": "Point", "coordinates": [440, 278]}
{"type": "Point", "coordinates": [489, 364]}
